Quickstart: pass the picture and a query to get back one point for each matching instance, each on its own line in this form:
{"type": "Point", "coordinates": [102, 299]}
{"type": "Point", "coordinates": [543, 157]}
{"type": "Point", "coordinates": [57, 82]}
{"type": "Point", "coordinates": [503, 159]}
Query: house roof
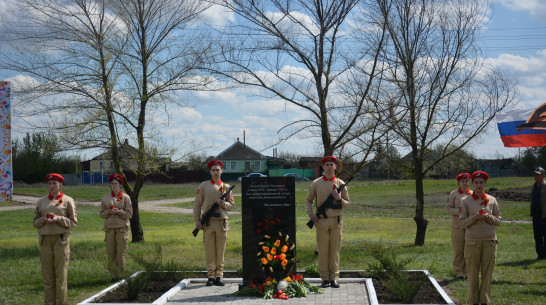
{"type": "Point", "coordinates": [125, 150]}
{"type": "Point", "coordinates": [311, 159]}
{"type": "Point", "coordinates": [238, 151]}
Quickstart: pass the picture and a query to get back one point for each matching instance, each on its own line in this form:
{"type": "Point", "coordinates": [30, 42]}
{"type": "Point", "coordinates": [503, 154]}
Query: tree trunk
{"type": "Point", "coordinates": [136, 228]}
{"type": "Point", "coordinates": [419, 218]}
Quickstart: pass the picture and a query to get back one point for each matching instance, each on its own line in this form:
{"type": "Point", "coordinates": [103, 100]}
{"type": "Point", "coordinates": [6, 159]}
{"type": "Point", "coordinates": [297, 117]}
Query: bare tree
{"type": "Point", "coordinates": [302, 52]}
{"type": "Point", "coordinates": [448, 95]}
{"type": "Point", "coordinates": [102, 71]}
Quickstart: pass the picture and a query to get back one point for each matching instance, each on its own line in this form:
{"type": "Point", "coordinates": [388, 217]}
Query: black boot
{"type": "Point", "coordinates": [334, 284]}
{"type": "Point", "coordinates": [210, 282]}
{"type": "Point", "coordinates": [219, 282]}
{"type": "Point", "coordinates": [325, 284]}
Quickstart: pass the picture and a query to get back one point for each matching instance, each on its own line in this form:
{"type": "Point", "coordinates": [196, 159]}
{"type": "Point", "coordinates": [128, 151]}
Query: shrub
{"type": "Point", "coordinates": [389, 267]}
{"type": "Point", "coordinates": [312, 271]}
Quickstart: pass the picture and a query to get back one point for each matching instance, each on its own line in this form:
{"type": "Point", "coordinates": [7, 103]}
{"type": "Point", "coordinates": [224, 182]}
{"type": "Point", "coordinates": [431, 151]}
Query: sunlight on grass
{"type": "Point", "coordinates": [380, 211]}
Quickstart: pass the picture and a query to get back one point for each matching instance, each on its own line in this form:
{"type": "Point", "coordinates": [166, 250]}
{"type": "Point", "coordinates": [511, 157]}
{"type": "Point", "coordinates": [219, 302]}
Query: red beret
{"type": "Point", "coordinates": [55, 177]}
{"type": "Point", "coordinates": [214, 162]}
{"type": "Point", "coordinates": [480, 174]}
{"type": "Point", "coordinates": [463, 176]}
{"type": "Point", "coordinates": [116, 176]}
{"type": "Point", "coordinates": [328, 159]}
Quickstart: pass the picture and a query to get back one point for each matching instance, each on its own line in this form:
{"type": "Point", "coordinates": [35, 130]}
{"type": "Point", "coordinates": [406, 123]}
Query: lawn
{"type": "Point", "coordinates": [380, 211]}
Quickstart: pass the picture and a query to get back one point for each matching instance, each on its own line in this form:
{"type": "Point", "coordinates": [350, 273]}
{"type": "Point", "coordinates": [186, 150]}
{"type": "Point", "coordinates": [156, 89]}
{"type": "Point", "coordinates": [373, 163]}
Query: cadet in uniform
{"type": "Point", "coordinates": [116, 209]}
{"type": "Point", "coordinates": [329, 229]}
{"type": "Point", "coordinates": [453, 207]}
{"type": "Point", "coordinates": [53, 217]}
{"type": "Point", "coordinates": [479, 216]}
{"type": "Point", "coordinates": [215, 233]}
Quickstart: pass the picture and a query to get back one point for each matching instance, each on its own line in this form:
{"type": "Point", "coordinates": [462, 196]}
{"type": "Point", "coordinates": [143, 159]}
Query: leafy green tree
{"type": "Point", "coordinates": [529, 159]}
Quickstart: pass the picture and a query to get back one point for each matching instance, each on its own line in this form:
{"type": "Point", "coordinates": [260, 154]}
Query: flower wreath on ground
{"type": "Point", "coordinates": [276, 255]}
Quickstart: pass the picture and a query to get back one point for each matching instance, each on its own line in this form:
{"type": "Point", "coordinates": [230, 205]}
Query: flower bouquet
{"type": "Point", "coordinates": [276, 255]}
{"type": "Point", "coordinates": [293, 286]}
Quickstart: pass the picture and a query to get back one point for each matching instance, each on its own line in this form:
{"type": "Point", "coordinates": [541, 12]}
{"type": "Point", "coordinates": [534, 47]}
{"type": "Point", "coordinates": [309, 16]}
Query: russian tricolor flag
{"type": "Point", "coordinates": [512, 136]}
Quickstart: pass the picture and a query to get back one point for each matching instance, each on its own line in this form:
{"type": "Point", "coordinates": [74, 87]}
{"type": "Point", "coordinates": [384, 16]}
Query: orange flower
{"type": "Point", "coordinates": [277, 243]}
{"type": "Point", "coordinates": [282, 256]}
{"type": "Point", "coordinates": [284, 262]}
{"type": "Point", "coordinates": [273, 251]}
{"type": "Point", "coordinates": [266, 249]}
{"type": "Point", "coordinates": [284, 249]}
{"type": "Point", "coordinates": [269, 257]}
{"type": "Point", "coordinates": [264, 261]}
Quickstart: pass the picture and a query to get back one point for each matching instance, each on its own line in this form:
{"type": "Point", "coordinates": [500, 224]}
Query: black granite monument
{"type": "Point", "coordinates": [268, 207]}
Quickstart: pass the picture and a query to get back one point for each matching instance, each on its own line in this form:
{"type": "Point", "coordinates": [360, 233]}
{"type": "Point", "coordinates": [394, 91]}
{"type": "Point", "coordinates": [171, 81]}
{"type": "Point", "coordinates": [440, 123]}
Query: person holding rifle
{"type": "Point", "coordinates": [329, 228]}
{"type": "Point", "coordinates": [215, 232]}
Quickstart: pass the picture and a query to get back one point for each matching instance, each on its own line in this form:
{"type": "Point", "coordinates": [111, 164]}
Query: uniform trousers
{"type": "Point", "coordinates": [539, 232]}
{"type": "Point", "coordinates": [480, 257]}
{"type": "Point", "coordinates": [54, 257]}
{"type": "Point", "coordinates": [457, 243]}
{"type": "Point", "coordinates": [329, 243]}
{"type": "Point", "coordinates": [214, 240]}
{"type": "Point", "coordinates": [116, 247]}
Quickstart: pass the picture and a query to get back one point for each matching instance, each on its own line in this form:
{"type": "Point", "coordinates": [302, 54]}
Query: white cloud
{"type": "Point", "coordinates": [536, 8]}
{"type": "Point", "coordinates": [218, 16]}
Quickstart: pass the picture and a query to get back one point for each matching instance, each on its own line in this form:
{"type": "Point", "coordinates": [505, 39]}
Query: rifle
{"type": "Point", "coordinates": [210, 212]}
{"type": "Point", "coordinates": [328, 204]}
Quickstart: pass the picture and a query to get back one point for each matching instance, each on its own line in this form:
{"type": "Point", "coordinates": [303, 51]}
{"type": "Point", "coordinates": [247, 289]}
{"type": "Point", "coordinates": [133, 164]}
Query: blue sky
{"type": "Point", "coordinates": [515, 42]}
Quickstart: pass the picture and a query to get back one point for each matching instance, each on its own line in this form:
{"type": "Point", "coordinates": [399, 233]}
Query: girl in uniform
{"type": "Point", "coordinates": [479, 216]}
{"type": "Point", "coordinates": [55, 214]}
{"type": "Point", "coordinates": [116, 209]}
{"type": "Point", "coordinates": [453, 207]}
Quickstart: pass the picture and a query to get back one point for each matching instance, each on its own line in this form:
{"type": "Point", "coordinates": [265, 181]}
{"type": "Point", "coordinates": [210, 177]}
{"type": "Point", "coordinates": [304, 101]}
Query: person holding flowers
{"type": "Point", "coordinates": [453, 207]}
{"type": "Point", "coordinates": [55, 214]}
{"type": "Point", "coordinates": [117, 210]}
{"type": "Point", "coordinates": [479, 216]}
{"type": "Point", "coordinates": [328, 232]}
{"type": "Point", "coordinates": [215, 232]}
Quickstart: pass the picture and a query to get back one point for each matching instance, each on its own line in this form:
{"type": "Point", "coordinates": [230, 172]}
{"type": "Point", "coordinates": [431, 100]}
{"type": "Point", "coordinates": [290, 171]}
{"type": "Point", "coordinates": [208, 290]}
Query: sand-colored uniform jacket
{"type": "Point", "coordinates": [63, 207]}
{"type": "Point", "coordinates": [207, 194]}
{"type": "Point", "coordinates": [319, 191]}
{"type": "Point", "coordinates": [454, 202]}
{"type": "Point", "coordinates": [125, 211]}
{"type": "Point", "coordinates": [479, 229]}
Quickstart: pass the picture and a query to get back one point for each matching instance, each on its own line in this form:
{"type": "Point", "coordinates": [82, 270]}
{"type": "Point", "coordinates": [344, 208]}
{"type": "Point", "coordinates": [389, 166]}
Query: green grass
{"type": "Point", "coordinates": [379, 211]}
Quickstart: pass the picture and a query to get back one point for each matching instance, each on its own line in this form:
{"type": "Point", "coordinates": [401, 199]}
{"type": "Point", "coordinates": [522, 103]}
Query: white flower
{"type": "Point", "coordinates": [282, 285]}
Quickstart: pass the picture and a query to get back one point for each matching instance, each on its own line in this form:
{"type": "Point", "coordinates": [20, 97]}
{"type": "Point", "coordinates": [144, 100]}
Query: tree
{"type": "Point", "coordinates": [529, 159]}
{"type": "Point", "coordinates": [299, 51]}
{"type": "Point", "coordinates": [459, 161]}
{"type": "Point", "coordinates": [104, 68]}
{"type": "Point", "coordinates": [38, 154]}
{"type": "Point", "coordinates": [448, 95]}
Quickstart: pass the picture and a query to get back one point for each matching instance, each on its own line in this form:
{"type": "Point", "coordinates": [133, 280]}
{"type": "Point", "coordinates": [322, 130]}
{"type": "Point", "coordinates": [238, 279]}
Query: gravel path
{"type": "Point", "coordinates": [29, 202]}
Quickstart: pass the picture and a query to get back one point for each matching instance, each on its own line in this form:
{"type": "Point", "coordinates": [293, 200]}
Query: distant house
{"type": "Point", "coordinates": [501, 167]}
{"type": "Point", "coordinates": [104, 162]}
{"type": "Point", "coordinates": [315, 164]}
{"type": "Point", "coordinates": [312, 163]}
{"type": "Point", "coordinates": [240, 159]}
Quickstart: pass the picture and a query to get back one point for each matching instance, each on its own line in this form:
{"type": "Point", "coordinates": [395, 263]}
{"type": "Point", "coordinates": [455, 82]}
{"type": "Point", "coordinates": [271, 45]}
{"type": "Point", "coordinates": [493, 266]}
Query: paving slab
{"type": "Point", "coordinates": [350, 293]}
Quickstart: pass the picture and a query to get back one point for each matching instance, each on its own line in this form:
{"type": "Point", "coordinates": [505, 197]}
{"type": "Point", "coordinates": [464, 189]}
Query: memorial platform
{"type": "Point", "coordinates": [351, 292]}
